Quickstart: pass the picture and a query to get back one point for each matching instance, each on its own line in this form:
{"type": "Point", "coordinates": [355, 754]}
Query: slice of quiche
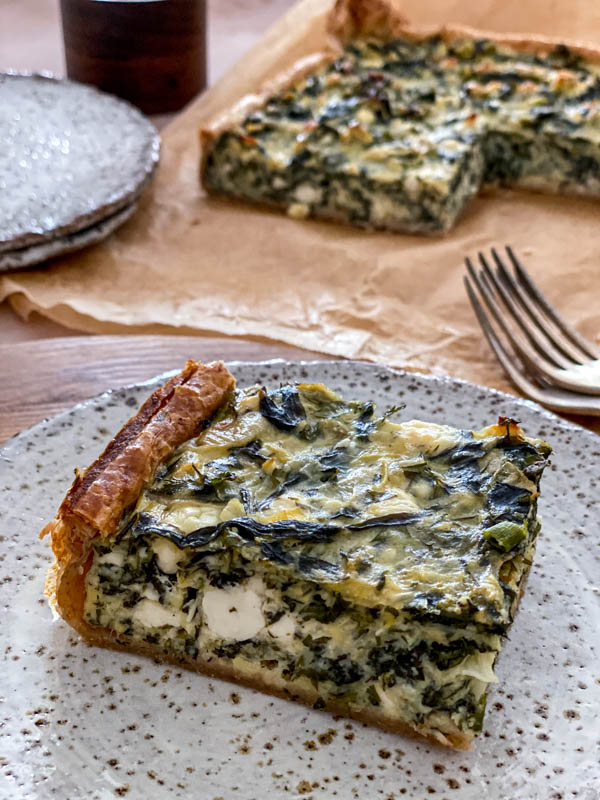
{"type": "Point", "coordinates": [300, 544]}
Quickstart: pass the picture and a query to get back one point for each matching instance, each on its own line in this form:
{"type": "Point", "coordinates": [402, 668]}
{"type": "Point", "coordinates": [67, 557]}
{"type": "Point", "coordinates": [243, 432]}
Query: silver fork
{"type": "Point", "coordinates": [549, 349]}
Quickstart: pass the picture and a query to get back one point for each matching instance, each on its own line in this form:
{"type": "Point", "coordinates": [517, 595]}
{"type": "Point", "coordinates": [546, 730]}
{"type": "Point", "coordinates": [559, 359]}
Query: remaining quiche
{"type": "Point", "coordinates": [298, 543]}
{"type": "Point", "coordinates": [399, 132]}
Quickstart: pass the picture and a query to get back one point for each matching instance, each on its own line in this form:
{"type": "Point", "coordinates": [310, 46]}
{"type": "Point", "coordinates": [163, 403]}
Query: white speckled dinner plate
{"type": "Point", "coordinates": [79, 722]}
{"type": "Point", "coordinates": [70, 156]}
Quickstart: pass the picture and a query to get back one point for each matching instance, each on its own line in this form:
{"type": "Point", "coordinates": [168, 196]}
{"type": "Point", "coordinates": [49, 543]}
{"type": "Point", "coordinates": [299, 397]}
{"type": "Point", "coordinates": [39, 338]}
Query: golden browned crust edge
{"type": "Point", "coordinates": [352, 18]}
{"type": "Point", "coordinates": [383, 18]}
{"type": "Point", "coordinates": [209, 133]}
{"type": "Point", "coordinates": [349, 19]}
{"type": "Point", "coordinates": [98, 497]}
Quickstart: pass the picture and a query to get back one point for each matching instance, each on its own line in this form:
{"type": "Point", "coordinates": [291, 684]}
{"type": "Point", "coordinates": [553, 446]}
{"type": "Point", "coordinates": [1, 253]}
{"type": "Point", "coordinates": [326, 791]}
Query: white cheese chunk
{"type": "Point", "coordinates": [384, 208]}
{"type": "Point", "coordinates": [150, 592]}
{"type": "Point", "coordinates": [167, 554]}
{"type": "Point", "coordinates": [188, 516]}
{"type": "Point", "coordinates": [412, 186]}
{"type": "Point", "coordinates": [400, 503]}
{"type": "Point", "coordinates": [115, 557]}
{"type": "Point", "coordinates": [150, 614]}
{"type": "Point", "coordinates": [365, 116]}
{"type": "Point", "coordinates": [307, 193]}
{"type": "Point", "coordinates": [235, 613]}
{"type": "Point", "coordinates": [479, 666]}
{"type": "Point", "coordinates": [298, 211]}
{"type": "Point", "coordinates": [422, 489]}
{"type": "Point", "coordinates": [232, 509]}
{"type": "Point", "coordinates": [414, 436]}
{"type": "Point", "coordinates": [284, 628]}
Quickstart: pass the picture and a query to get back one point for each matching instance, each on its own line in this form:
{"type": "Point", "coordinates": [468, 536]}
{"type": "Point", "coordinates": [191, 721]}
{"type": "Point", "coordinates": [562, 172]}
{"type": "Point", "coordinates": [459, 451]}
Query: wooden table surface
{"type": "Point", "coordinates": [45, 368]}
{"type": "Point", "coordinates": [42, 377]}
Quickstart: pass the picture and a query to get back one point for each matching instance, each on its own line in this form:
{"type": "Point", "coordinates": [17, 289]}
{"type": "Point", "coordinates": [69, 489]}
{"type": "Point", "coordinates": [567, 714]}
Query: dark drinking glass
{"type": "Point", "coordinates": [151, 52]}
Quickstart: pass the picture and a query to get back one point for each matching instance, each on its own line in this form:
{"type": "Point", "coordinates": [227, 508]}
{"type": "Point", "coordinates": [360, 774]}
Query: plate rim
{"type": "Point", "coordinates": [531, 405]}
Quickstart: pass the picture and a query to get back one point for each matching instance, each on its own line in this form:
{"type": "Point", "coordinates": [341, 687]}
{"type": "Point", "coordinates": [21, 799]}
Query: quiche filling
{"type": "Point", "coordinates": [401, 134]}
{"type": "Point", "coordinates": [332, 554]}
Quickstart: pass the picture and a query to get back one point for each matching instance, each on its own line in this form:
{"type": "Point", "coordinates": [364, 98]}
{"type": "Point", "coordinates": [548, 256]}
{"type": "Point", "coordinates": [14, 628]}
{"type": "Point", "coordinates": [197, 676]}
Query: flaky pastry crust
{"type": "Point", "coordinates": [98, 497]}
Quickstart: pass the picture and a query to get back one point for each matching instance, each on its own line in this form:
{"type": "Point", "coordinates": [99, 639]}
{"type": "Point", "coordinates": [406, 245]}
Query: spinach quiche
{"type": "Point", "coordinates": [305, 545]}
{"type": "Point", "coordinates": [399, 131]}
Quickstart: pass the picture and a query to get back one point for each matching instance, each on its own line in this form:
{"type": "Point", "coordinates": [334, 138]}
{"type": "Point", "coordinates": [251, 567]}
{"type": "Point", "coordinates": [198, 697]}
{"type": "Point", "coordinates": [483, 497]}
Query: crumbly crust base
{"type": "Point", "coordinates": [441, 730]}
{"type": "Point", "coordinates": [330, 216]}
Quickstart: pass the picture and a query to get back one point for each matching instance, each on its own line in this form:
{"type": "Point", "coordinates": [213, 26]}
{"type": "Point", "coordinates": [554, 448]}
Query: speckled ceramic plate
{"type": "Point", "coordinates": [70, 156]}
{"type": "Point", "coordinates": [69, 243]}
{"type": "Point", "coordinates": [79, 722]}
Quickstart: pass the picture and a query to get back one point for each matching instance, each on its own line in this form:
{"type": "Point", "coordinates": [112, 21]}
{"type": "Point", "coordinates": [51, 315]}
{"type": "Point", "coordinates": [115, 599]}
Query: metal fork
{"type": "Point", "coordinates": [550, 351]}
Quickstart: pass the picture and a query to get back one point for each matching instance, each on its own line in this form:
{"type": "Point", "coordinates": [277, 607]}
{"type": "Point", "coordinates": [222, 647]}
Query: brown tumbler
{"type": "Point", "coordinates": [151, 52]}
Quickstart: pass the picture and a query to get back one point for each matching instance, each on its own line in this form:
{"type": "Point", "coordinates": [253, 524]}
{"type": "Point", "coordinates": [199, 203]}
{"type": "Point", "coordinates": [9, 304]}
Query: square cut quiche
{"type": "Point", "coordinates": [400, 130]}
{"type": "Point", "coordinates": [296, 542]}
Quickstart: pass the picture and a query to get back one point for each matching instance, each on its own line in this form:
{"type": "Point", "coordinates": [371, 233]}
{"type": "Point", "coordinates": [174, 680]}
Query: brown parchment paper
{"type": "Point", "coordinates": [189, 264]}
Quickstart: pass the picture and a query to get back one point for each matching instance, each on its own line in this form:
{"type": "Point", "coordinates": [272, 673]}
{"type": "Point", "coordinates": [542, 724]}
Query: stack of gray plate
{"type": "Point", "coordinates": [73, 162]}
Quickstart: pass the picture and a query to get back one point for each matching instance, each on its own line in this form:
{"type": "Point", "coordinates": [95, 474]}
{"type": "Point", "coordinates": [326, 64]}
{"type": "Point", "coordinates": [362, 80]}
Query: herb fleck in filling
{"type": "Point", "coordinates": [308, 541]}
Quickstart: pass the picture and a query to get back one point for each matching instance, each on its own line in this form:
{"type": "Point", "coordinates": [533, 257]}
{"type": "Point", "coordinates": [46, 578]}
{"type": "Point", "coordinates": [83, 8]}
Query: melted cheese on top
{"type": "Point", "coordinates": [382, 513]}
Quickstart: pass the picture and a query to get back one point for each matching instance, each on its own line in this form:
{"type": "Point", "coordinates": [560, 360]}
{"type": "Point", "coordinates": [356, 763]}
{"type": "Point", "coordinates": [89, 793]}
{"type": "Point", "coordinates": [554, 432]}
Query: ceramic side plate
{"type": "Point", "coordinates": [68, 243]}
{"type": "Point", "coordinates": [82, 722]}
{"type": "Point", "coordinates": [70, 156]}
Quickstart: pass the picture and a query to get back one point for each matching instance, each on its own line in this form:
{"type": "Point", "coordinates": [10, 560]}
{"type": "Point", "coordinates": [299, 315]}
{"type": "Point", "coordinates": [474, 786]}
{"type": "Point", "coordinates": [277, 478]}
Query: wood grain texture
{"type": "Point", "coordinates": [43, 378]}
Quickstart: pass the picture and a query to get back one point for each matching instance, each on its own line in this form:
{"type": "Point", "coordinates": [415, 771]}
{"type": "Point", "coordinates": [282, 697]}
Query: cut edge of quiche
{"type": "Point", "coordinates": [296, 543]}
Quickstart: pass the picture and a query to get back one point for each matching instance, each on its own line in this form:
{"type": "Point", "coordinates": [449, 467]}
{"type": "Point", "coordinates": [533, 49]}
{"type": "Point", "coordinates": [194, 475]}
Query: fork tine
{"type": "Point", "coordinates": [562, 347]}
{"type": "Point", "coordinates": [503, 357]}
{"type": "Point", "coordinates": [526, 353]}
{"type": "Point", "coordinates": [542, 345]}
{"type": "Point", "coordinates": [556, 400]}
{"type": "Point", "coordinates": [589, 349]}
{"type": "Point", "coordinates": [585, 381]}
